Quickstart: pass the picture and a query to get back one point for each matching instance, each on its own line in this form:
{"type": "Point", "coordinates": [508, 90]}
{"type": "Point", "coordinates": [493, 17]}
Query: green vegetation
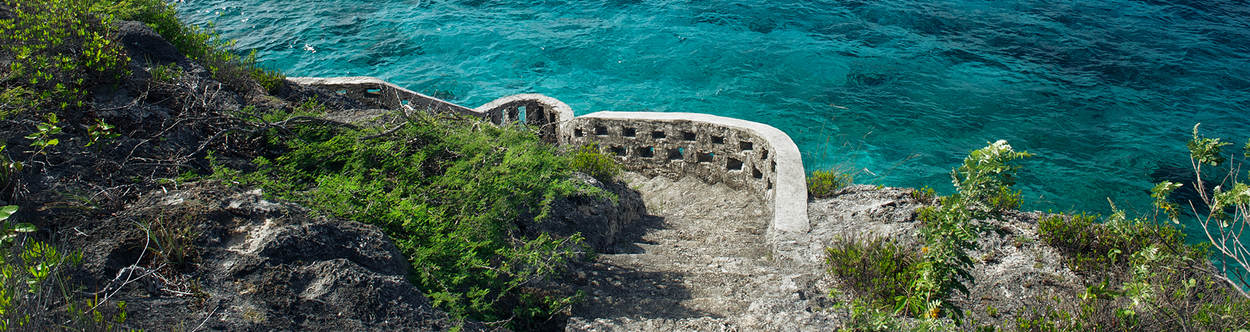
{"type": "Point", "coordinates": [920, 285]}
{"type": "Point", "coordinates": [1144, 275]}
{"type": "Point", "coordinates": [1228, 203]}
{"type": "Point", "coordinates": [61, 49]}
{"type": "Point", "coordinates": [874, 271]}
{"type": "Point", "coordinates": [822, 184]}
{"type": "Point", "coordinates": [34, 273]}
{"type": "Point", "coordinates": [588, 159]}
{"type": "Point", "coordinates": [984, 189]}
{"type": "Point", "coordinates": [460, 200]}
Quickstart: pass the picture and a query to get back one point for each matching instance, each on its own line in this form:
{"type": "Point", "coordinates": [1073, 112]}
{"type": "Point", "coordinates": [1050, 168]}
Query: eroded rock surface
{"type": "Point", "coordinates": [252, 264]}
{"type": "Point", "coordinates": [703, 262]}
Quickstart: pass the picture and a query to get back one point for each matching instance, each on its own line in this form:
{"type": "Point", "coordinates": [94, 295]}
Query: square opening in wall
{"type": "Point", "coordinates": [688, 135]}
{"type": "Point", "coordinates": [658, 134]}
{"type": "Point", "coordinates": [629, 132]}
{"type": "Point", "coordinates": [763, 154]}
{"type": "Point", "coordinates": [744, 145]}
{"type": "Point", "coordinates": [617, 150]}
{"type": "Point", "coordinates": [718, 139]}
{"type": "Point", "coordinates": [733, 164]}
{"type": "Point", "coordinates": [675, 154]}
{"type": "Point", "coordinates": [646, 152]}
{"type": "Point", "coordinates": [755, 172]}
{"type": "Point", "coordinates": [601, 130]}
{"type": "Point", "coordinates": [706, 157]}
{"type": "Point", "coordinates": [578, 133]}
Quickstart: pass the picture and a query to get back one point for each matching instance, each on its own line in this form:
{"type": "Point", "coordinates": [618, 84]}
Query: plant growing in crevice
{"type": "Point", "coordinates": [824, 183]}
{"type": "Point", "coordinates": [588, 159]}
{"type": "Point", "coordinates": [983, 185]}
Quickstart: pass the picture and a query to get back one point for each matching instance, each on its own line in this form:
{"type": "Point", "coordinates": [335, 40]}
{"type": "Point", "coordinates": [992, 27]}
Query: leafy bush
{"type": "Point", "coordinates": [1228, 203]}
{"type": "Point", "coordinates": [822, 184]}
{"type": "Point", "coordinates": [1095, 248]}
{"type": "Point", "coordinates": [984, 189]}
{"type": "Point", "coordinates": [588, 159]}
{"type": "Point", "coordinates": [875, 270]}
{"type": "Point", "coordinates": [456, 198]}
{"type": "Point", "coordinates": [1144, 275]}
{"type": "Point", "coordinates": [58, 48]}
{"type": "Point", "coordinates": [200, 44]}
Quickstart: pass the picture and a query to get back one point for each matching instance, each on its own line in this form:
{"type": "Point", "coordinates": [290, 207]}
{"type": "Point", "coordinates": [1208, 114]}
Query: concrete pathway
{"type": "Point", "coordinates": [702, 263]}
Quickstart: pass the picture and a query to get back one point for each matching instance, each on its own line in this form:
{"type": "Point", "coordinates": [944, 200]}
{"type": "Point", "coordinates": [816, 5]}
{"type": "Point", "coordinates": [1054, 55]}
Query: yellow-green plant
{"type": "Point", "coordinates": [100, 131]}
{"type": "Point", "coordinates": [587, 159]}
{"type": "Point", "coordinates": [42, 138]}
{"type": "Point", "coordinates": [824, 183]}
{"type": "Point", "coordinates": [59, 47]}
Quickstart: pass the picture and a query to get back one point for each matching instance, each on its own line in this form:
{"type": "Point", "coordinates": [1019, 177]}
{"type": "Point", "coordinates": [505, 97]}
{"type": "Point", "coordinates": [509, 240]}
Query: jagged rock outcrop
{"type": "Point", "coordinates": [251, 264]}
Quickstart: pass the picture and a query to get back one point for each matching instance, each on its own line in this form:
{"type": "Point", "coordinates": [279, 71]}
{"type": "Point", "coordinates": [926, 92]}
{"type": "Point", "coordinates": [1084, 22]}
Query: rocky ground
{"type": "Point", "coordinates": [701, 261]}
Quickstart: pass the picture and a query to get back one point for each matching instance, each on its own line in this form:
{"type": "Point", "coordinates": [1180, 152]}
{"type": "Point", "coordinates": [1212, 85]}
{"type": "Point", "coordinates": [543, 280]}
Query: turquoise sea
{"type": "Point", "coordinates": [897, 91]}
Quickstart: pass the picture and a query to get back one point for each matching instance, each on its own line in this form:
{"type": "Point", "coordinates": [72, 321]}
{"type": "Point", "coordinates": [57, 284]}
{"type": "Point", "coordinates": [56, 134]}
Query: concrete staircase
{"type": "Point", "coordinates": [702, 263]}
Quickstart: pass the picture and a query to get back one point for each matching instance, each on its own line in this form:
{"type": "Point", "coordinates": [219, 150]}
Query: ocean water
{"type": "Point", "coordinates": [897, 91]}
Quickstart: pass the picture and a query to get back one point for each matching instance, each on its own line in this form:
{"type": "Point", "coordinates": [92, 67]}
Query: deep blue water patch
{"type": "Point", "coordinates": [898, 91]}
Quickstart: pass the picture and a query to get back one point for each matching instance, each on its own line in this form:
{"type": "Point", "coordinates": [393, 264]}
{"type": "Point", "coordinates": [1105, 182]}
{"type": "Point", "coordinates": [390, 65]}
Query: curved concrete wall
{"type": "Point", "coordinates": [742, 154]}
{"type": "Point", "coordinates": [538, 111]}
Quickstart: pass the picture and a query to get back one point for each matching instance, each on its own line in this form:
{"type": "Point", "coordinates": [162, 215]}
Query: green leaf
{"type": "Point", "coordinates": [7, 211]}
{"type": "Point", "coordinates": [24, 228]}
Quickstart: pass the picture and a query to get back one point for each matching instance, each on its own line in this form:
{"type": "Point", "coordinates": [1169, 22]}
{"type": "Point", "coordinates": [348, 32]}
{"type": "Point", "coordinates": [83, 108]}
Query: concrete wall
{"type": "Point", "coordinates": [534, 110]}
{"type": "Point", "coordinates": [381, 94]}
{"type": "Point", "coordinates": [752, 156]}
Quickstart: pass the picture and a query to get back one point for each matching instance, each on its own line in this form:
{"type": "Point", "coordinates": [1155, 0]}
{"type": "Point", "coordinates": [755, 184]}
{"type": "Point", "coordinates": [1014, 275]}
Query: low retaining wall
{"type": "Point", "coordinates": [534, 110]}
{"type": "Point", "coordinates": [742, 154]}
{"type": "Point", "coordinates": [381, 94]}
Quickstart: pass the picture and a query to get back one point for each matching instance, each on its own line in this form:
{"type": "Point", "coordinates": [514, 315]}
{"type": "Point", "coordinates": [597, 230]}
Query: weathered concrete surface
{"type": "Point", "coordinates": [702, 262]}
{"type": "Point", "coordinates": [716, 149]}
{"type": "Point", "coordinates": [547, 114]}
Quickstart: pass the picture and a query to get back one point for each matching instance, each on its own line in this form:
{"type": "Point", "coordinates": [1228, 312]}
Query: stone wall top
{"type": "Point", "coordinates": [382, 94]}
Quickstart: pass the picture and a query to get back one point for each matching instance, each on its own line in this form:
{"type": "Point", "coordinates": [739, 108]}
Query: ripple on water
{"type": "Point", "coordinates": [900, 90]}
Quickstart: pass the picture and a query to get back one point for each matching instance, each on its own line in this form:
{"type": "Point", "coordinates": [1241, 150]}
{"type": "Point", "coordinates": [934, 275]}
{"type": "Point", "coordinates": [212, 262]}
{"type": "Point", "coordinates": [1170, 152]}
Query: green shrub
{"type": "Point", "coordinates": [59, 49]}
{"type": "Point", "coordinates": [822, 184]}
{"type": "Point", "coordinates": [200, 44]}
{"type": "Point", "coordinates": [1228, 203]}
{"type": "Point", "coordinates": [588, 159]}
{"type": "Point", "coordinates": [983, 185]}
{"type": "Point", "coordinates": [456, 198]}
{"type": "Point", "coordinates": [924, 194]}
{"type": "Point", "coordinates": [1144, 276]}
{"type": "Point", "coordinates": [875, 270]}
